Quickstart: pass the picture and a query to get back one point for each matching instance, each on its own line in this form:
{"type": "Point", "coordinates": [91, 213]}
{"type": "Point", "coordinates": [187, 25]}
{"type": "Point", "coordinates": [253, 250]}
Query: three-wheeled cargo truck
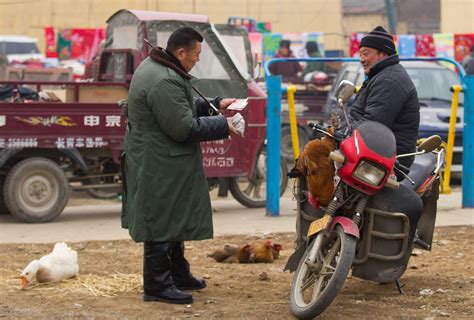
{"type": "Point", "coordinates": [62, 136]}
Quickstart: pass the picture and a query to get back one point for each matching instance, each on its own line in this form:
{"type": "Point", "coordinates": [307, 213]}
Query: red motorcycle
{"type": "Point", "coordinates": [372, 222]}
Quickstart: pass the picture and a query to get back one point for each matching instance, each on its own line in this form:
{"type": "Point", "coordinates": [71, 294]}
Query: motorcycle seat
{"type": "Point", "coordinates": [421, 168]}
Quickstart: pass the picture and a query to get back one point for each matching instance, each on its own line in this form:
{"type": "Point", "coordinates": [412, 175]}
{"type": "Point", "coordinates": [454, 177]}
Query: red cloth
{"type": "Point", "coordinates": [50, 50]}
{"type": "Point", "coordinates": [86, 43]}
{"type": "Point", "coordinates": [462, 45]}
{"type": "Point", "coordinates": [313, 200]}
{"type": "Point", "coordinates": [354, 45]}
{"type": "Point", "coordinates": [425, 45]}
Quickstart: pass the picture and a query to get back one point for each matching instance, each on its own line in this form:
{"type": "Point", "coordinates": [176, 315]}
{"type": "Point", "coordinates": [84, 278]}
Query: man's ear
{"type": "Point", "coordinates": [180, 53]}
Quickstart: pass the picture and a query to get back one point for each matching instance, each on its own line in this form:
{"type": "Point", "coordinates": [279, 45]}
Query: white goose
{"type": "Point", "coordinates": [60, 264]}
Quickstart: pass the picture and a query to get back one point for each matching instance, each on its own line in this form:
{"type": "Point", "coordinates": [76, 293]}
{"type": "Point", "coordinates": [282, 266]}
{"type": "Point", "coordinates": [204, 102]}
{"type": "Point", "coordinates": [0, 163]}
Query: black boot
{"type": "Point", "coordinates": [157, 281]}
{"type": "Point", "coordinates": [182, 277]}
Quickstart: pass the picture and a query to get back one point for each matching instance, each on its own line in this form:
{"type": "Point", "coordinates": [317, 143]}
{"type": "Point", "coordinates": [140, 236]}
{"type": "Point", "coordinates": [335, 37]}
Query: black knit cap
{"type": "Point", "coordinates": [379, 39]}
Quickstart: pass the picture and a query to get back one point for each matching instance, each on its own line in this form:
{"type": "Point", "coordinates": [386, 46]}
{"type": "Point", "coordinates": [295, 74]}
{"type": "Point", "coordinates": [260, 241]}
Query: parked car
{"type": "Point", "coordinates": [433, 82]}
{"type": "Point", "coordinates": [19, 48]}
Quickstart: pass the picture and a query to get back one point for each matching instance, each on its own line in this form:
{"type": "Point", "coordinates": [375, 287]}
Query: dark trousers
{"type": "Point", "coordinates": [164, 264]}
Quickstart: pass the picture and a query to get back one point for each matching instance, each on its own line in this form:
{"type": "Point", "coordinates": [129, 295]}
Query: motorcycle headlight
{"type": "Point", "coordinates": [369, 173]}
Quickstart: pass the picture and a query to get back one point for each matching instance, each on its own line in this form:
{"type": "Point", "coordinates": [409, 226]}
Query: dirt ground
{"type": "Point", "coordinates": [109, 284]}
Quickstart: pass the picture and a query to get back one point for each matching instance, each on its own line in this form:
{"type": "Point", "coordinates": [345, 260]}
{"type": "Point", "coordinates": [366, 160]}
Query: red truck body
{"type": "Point", "coordinates": [51, 145]}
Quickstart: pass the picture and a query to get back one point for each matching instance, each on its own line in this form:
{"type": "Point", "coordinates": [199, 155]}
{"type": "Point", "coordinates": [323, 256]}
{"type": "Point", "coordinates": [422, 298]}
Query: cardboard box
{"type": "Point", "coordinates": [97, 94]}
{"type": "Point", "coordinates": [38, 74]}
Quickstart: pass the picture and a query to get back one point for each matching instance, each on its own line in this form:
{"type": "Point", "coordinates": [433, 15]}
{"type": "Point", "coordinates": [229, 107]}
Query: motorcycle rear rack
{"type": "Point", "coordinates": [366, 250]}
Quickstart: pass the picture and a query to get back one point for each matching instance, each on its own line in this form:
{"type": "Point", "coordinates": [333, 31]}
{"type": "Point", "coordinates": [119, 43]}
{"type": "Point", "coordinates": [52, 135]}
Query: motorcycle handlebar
{"type": "Point", "coordinates": [401, 167]}
{"type": "Point", "coordinates": [338, 136]}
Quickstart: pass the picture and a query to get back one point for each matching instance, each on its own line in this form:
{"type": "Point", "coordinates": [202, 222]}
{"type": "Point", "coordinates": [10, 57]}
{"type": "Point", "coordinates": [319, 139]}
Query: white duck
{"type": "Point", "coordinates": [60, 264]}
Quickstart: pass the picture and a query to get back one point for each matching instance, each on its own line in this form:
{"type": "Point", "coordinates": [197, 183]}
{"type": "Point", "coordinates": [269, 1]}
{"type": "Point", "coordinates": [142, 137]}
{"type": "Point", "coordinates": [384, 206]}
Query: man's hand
{"type": "Point", "coordinates": [225, 103]}
{"type": "Point", "coordinates": [232, 129]}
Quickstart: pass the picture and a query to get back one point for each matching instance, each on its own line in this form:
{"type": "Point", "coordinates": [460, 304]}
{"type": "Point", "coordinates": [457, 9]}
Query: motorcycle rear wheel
{"type": "Point", "coordinates": [315, 285]}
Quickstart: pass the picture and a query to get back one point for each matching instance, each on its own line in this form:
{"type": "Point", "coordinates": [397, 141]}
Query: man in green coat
{"type": "Point", "coordinates": [166, 198]}
{"type": "Point", "coordinates": [313, 52]}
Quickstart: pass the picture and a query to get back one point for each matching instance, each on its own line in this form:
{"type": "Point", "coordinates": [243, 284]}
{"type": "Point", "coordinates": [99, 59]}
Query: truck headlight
{"type": "Point", "coordinates": [369, 173]}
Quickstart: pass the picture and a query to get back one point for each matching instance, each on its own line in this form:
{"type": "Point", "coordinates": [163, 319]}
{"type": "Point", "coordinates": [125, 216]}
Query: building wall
{"type": "Point", "coordinates": [29, 17]}
{"type": "Point", "coordinates": [457, 16]}
{"type": "Point", "coordinates": [367, 22]}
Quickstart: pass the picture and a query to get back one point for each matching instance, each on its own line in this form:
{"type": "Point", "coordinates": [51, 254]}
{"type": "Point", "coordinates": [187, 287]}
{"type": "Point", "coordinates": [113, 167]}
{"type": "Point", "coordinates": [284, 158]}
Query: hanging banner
{"type": "Point", "coordinates": [271, 43]}
{"type": "Point", "coordinates": [425, 45]}
{"type": "Point", "coordinates": [50, 49]}
{"type": "Point", "coordinates": [462, 46]}
{"type": "Point", "coordinates": [85, 43]}
{"type": "Point", "coordinates": [444, 44]}
{"type": "Point", "coordinates": [407, 45]}
{"type": "Point", "coordinates": [64, 44]}
{"type": "Point", "coordinates": [354, 42]}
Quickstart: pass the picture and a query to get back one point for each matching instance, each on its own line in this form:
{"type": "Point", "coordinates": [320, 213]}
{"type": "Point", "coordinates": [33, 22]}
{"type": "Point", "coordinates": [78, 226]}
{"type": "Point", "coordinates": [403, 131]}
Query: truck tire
{"type": "Point", "coordinates": [3, 207]}
{"type": "Point", "coordinates": [250, 191]}
{"type": "Point", "coordinates": [36, 190]}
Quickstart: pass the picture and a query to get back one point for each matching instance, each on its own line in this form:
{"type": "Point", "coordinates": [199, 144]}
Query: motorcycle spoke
{"type": "Point", "coordinates": [308, 282]}
{"type": "Point", "coordinates": [318, 287]}
{"type": "Point", "coordinates": [249, 188]}
{"type": "Point", "coordinates": [334, 250]}
{"type": "Point", "coordinates": [257, 187]}
{"type": "Point", "coordinates": [321, 256]}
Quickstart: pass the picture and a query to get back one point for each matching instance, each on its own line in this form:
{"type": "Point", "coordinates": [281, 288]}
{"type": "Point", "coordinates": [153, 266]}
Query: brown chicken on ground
{"type": "Point", "coordinates": [233, 254]}
{"type": "Point", "coordinates": [262, 251]}
{"type": "Point", "coordinates": [276, 248]}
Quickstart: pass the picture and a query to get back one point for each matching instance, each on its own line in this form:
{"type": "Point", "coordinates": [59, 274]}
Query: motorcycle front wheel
{"type": "Point", "coordinates": [321, 273]}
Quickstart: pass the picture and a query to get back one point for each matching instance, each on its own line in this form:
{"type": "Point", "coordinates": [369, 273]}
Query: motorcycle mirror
{"type": "Point", "coordinates": [430, 144]}
{"type": "Point", "coordinates": [344, 91]}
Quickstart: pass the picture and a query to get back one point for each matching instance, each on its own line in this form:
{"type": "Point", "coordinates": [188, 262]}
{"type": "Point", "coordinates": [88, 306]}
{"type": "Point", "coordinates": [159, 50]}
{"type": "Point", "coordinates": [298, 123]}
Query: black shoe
{"type": "Point", "coordinates": [180, 271]}
{"type": "Point", "coordinates": [190, 283]}
{"type": "Point", "coordinates": [170, 295]}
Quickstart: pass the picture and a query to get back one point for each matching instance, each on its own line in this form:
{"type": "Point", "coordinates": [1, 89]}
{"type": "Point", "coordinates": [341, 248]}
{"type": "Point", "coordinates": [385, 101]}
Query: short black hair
{"type": "Point", "coordinates": [311, 46]}
{"type": "Point", "coordinates": [285, 44]}
{"type": "Point", "coordinates": [185, 38]}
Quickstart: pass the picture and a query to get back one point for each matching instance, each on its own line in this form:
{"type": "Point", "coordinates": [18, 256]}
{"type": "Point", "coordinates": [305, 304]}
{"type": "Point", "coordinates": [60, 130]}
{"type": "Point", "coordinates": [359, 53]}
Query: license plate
{"type": "Point", "coordinates": [318, 225]}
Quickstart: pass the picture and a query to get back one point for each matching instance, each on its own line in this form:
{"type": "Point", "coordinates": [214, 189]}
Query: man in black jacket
{"type": "Point", "coordinates": [387, 95]}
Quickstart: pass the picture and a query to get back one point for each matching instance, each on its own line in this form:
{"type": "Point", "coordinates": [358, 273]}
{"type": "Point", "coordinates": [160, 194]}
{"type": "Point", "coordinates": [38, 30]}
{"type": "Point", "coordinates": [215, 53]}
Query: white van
{"type": "Point", "coordinates": [19, 48]}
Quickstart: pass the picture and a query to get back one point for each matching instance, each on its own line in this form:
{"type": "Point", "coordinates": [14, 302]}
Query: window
{"type": "Point", "coordinates": [237, 46]}
{"type": "Point", "coordinates": [125, 38]}
{"type": "Point", "coordinates": [434, 83]}
{"type": "Point", "coordinates": [18, 48]}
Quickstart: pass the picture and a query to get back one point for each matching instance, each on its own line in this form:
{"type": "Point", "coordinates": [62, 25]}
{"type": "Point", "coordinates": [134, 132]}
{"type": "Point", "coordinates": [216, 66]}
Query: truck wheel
{"type": "Point", "coordinates": [3, 207]}
{"type": "Point", "coordinates": [286, 144]}
{"type": "Point", "coordinates": [36, 190]}
{"type": "Point", "coordinates": [251, 191]}
{"type": "Point", "coordinates": [101, 193]}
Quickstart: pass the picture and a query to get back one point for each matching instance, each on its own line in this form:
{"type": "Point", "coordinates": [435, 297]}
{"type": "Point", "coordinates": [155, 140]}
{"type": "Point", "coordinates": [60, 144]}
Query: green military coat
{"type": "Point", "coordinates": [167, 197]}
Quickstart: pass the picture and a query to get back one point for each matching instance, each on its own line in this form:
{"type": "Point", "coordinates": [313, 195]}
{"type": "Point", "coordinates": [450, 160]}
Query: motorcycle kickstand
{"type": "Point", "coordinates": [400, 286]}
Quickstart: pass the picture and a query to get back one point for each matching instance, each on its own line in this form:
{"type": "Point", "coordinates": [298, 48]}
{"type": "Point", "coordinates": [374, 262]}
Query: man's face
{"type": "Point", "coordinates": [369, 57]}
{"type": "Point", "coordinates": [284, 51]}
{"type": "Point", "coordinates": [190, 57]}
